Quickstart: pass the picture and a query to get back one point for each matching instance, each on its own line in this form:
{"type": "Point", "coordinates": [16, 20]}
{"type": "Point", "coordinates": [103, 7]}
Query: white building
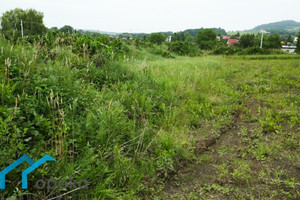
{"type": "Point", "coordinates": [289, 49]}
{"type": "Point", "coordinates": [295, 40]}
{"type": "Point", "coordinates": [169, 38]}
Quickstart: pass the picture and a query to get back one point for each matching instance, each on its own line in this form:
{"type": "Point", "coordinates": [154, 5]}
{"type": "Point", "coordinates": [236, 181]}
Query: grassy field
{"type": "Point", "coordinates": [147, 127]}
{"type": "Point", "coordinates": [246, 144]}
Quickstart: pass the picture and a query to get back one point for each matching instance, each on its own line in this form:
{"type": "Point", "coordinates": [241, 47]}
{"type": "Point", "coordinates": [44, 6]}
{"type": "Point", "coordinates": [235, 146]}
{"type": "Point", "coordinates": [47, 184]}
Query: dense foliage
{"type": "Point", "coordinates": [184, 48]}
{"type": "Point", "coordinates": [67, 96]}
{"type": "Point", "coordinates": [115, 112]}
{"type": "Point", "coordinates": [206, 39]}
{"type": "Point", "coordinates": [31, 20]}
{"type": "Point", "coordinates": [194, 32]}
{"type": "Point", "coordinates": [186, 35]}
{"type": "Point", "coordinates": [67, 29]}
{"type": "Point", "coordinates": [272, 41]}
{"type": "Point", "coordinates": [157, 38]}
{"type": "Point", "coordinates": [247, 40]}
{"type": "Point", "coordinates": [298, 44]}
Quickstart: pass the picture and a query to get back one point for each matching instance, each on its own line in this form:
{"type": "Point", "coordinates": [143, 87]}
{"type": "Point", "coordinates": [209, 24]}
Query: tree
{"type": "Point", "coordinates": [206, 39]}
{"type": "Point", "coordinates": [289, 39]}
{"type": "Point", "coordinates": [272, 41]}
{"type": "Point", "coordinates": [298, 44]}
{"type": "Point", "coordinates": [246, 41]}
{"type": "Point", "coordinates": [53, 29]}
{"type": "Point", "coordinates": [67, 29]}
{"type": "Point", "coordinates": [183, 48]}
{"type": "Point", "coordinates": [157, 38]}
{"type": "Point", "coordinates": [189, 37]}
{"type": "Point", "coordinates": [32, 21]}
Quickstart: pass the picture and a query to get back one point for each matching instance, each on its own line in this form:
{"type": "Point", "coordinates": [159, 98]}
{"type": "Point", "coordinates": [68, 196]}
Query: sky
{"type": "Point", "coordinates": [136, 16]}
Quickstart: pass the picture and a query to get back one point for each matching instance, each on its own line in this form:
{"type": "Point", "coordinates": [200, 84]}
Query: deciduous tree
{"type": "Point", "coordinates": [246, 41]}
{"type": "Point", "coordinates": [298, 44]}
{"type": "Point", "coordinates": [273, 41]}
{"type": "Point", "coordinates": [31, 19]}
{"type": "Point", "coordinates": [67, 29]}
{"type": "Point", "coordinates": [157, 38]}
{"type": "Point", "coordinates": [206, 39]}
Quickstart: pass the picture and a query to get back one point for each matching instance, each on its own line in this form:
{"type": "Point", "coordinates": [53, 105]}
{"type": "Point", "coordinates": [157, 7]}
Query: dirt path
{"type": "Point", "coordinates": [226, 167]}
{"type": "Point", "coordinates": [188, 180]}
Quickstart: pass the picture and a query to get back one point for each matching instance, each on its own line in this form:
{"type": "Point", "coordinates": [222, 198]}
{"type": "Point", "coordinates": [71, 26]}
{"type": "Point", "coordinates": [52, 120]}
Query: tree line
{"type": "Point", "coordinates": [204, 39]}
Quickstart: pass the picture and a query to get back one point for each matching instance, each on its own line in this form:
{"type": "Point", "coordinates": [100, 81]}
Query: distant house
{"type": "Point", "coordinates": [169, 38]}
{"type": "Point", "coordinates": [111, 37]}
{"type": "Point", "coordinates": [232, 42]}
{"type": "Point", "coordinates": [295, 40]}
{"type": "Point", "coordinates": [226, 37]}
{"type": "Point", "coordinates": [289, 49]}
{"type": "Point", "coordinates": [219, 38]}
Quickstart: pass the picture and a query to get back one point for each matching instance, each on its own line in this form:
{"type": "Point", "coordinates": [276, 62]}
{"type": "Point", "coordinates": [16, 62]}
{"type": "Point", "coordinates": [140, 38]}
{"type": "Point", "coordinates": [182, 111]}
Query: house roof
{"type": "Point", "coordinates": [288, 47]}
{"type": "Point", "coordinates": [230, 42]}
{"type": "Point", "coordinates": [226, 37]}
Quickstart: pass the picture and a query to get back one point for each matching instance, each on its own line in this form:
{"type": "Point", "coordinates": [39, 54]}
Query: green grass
{"type": "Point", "coordinates": [136, 120]}
{"type": "Point", "coordinates": [258, 156]}
{"type": "Point", "coordinates": [267, 57]}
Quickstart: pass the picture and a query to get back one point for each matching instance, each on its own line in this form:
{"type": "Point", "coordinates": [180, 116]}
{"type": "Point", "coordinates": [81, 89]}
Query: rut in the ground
{"type": "Point", "coordinates": [224, 162]}
{"type": "Point", "coordinates": [188, 179]}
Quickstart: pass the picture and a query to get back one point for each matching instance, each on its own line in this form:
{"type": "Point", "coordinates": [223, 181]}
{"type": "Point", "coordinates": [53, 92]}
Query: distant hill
{"type": "Point", "coordinates": [194, 32]}
{"type": "Point", "coordinates": [282, 25]}
{"type": "Point", "coordinates": [191, 32]}
{"type": "Point", "coordinates": [181, 35]}
{"type": "Point", "coordinates": [283, 28]}
{"type": "Point", "coordinates": [90, 31]}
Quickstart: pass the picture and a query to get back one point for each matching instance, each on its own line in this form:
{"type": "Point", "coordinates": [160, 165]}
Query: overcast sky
{"type": "Point", "coordinates": [159, 15]}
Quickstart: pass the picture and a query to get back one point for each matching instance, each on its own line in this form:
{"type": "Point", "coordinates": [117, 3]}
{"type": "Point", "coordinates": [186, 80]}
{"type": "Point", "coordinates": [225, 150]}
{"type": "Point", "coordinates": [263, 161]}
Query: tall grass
{"type": "Point", "coordinates": [116, 124]}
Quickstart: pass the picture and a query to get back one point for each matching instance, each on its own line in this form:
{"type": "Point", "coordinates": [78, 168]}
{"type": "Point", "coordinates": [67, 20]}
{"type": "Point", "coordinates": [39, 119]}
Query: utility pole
{"type": "Point", "coordinates": [262, 36]}
{"type": "Point", "coordinates": [22, 29]}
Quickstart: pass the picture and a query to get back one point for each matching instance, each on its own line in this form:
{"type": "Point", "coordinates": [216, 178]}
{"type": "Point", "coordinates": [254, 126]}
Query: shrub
{"type": "Point", "coordinates": [184, 48]}
{"type": "Point", "coordinates": [298, 44]}
{"type": "Point", "coordinates": [160, 50]}
{"type": "Point", "coordinates": [256, 50]}
{"type": "Point", "coordinates": [206, 39]}
{"type": "Point", "coordinates": [223, 50]}
{"type": "Point", "coordinates": [157, 38]}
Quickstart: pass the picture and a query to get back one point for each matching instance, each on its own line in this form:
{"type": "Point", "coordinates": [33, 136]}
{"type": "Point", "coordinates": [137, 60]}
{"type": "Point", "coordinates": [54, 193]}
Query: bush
{"type": "Point", "coordinates": [157, 38]}
{"type": "Point", "coordinates": [119, 47]}
{"type": "Point", "coordinates": [206, 39]}
{"type": "Point", "coordinates": [256, 50]}
{"type": "Point", "coordinates": [298, 44]}
{"type": "Point", "coordinates": [184, 48]}
{"type": "Point", "coordinates": [223, 50]}
{"type": "Point", "coordinates": [247, 41]}
{"type": "Point", "coordinates": [160, 50]}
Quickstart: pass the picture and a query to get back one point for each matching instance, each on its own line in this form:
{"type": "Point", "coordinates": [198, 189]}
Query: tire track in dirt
{"type": "Point", "coordinates": [214, 152]}
{"type": "Point", "coordinates": [189, 178]}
